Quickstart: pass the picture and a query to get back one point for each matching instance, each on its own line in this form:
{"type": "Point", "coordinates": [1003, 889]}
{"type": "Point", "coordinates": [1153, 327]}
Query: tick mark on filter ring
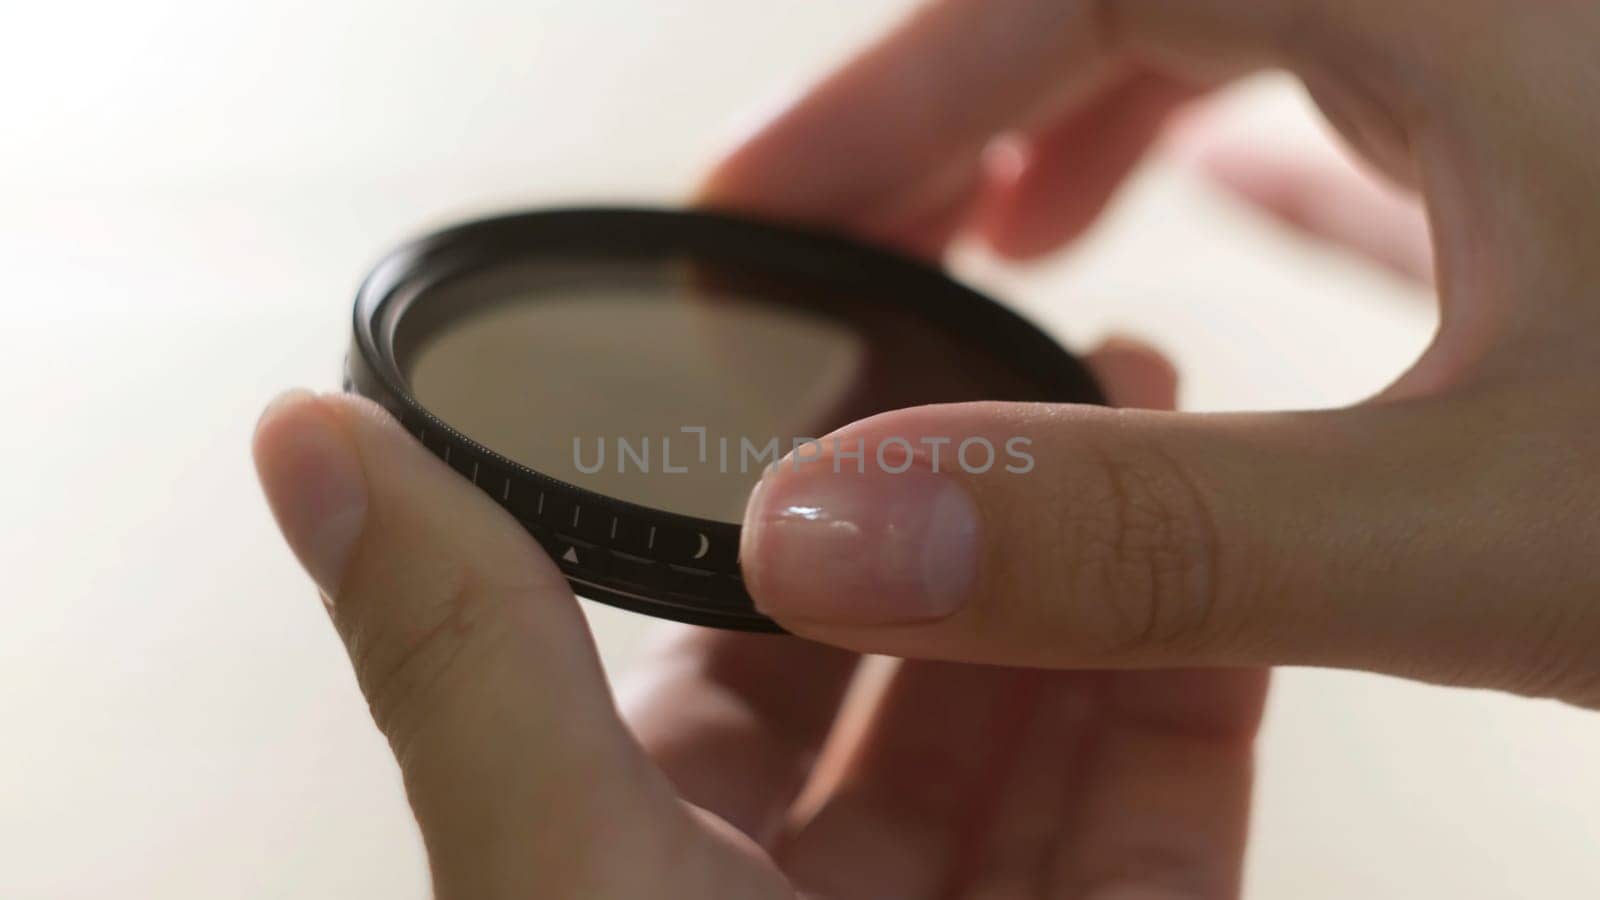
{"type": "Point", "coordinates": [505, 490]}
{"type": "Point", "coordinates": [650, 543]}
{"type": "Point", "coordinates": [447, 454]}
{"type": "Point", "coordinates": [474, 471]}
{"type": "Point", "coordinates": [575, 511]}
{"type": "Point", "coordinates": [539, 509]}
{"type": "Point", "coordinates": [613, 528]}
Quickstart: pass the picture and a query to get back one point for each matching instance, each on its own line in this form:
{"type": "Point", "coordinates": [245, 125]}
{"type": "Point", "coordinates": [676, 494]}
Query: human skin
{"type": "Point", "coordinates": [1076, 719]}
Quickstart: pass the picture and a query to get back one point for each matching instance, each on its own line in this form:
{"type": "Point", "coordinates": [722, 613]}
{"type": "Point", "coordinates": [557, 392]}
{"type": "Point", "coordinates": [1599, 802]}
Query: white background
{"type": "Point", "coordinates": [189, 192]}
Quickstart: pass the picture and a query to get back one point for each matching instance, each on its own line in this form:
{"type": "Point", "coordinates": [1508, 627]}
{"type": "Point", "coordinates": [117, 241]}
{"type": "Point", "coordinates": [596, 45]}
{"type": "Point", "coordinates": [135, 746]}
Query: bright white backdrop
{"type": "Point", "coordinates": [189, 192]}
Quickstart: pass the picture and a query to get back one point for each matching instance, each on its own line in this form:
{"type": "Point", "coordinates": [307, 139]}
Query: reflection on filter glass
{"type": "Point", "coordinates": [615, 354]}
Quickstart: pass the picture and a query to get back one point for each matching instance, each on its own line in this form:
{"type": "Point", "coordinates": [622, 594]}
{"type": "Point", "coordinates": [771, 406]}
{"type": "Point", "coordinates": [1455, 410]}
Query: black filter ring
{"type": "Point", "coordinates": [648, 560]}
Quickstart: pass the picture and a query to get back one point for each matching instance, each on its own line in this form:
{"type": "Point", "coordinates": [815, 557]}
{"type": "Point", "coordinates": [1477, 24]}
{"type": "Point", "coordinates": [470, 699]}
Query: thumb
{"type": "Point", "coordinates": [1086, 537]}
{"type": "Point", "coordinates": [472, 653]}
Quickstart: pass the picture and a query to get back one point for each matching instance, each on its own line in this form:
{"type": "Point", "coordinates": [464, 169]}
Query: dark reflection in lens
{"type": "Point", "coordinates": [670, 384]}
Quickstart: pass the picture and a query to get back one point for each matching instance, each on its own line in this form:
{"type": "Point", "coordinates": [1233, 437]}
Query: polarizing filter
{"type": "Point", "coordinates": [618, 379]}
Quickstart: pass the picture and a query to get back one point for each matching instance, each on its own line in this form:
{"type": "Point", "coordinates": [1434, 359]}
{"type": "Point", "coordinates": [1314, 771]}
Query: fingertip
{"type": "Point", "coordinates": [419, 499]}
{"type": "Point", "coordinates": [284, 403]}
{"type": "Point", "coordinates": [894, 539]}
{"type": "Point", "coordinates": [996, 219]}
{"type": "Point", "coordinates": [1039, 209]}
{"type": "Point", "coordinates": [1134, 374]}
{"type": "Point", "coordinates": [314, 482]}
{"type": "Point", "coordinates": [1050, 186]}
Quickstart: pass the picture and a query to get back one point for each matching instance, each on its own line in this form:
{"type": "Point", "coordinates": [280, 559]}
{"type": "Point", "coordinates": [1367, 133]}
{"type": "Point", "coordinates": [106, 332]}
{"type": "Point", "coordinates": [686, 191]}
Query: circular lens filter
{"type": "Point", "coordinates": [618, 379]}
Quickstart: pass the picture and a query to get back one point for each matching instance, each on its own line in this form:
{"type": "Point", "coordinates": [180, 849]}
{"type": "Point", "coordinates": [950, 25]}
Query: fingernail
{"type": "Point", "coordinates": [853, 548]}
{"type": "Point", "coordinates": [314, 483]}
